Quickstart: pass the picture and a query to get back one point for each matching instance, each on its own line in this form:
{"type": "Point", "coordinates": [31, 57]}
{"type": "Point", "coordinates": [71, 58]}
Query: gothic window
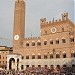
{"type": "Point", "coordinates": [57, 56]}
{"type": "Point", "coordinates": [51, 55]}
{"type": "Point", "coordinates": [57, 41]}
{"type": "Point", "coordinates": [72, 54]}
{"type": "Point", "coordinates": [27, 44]}
{"type": "Point", "coordinates": [39, 56]}
{"type": "Point", "coordinates": [63, 41]}
{"type": "Point", "coordinates": [27, 57]}
{"type": "Point", "coordinates": [38, 43]}
{"type": "Point", "coordinates": [33, 56]}
{"type": "Point", "coordinates": [45, 42]}
{"type": "Point", "coordinates": [45, 56]}
{"type": "Point", "coordinates": [33, 43]}
{"type": "Point", "coordinates": [72, 39]}
{"type": "Point", "coordinates": [64, 55]}
{"type": "Point", "coordinates": [51, 41]}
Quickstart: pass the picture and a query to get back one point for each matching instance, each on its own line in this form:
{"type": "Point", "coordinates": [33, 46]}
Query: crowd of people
{"type": "Point", "coordinates": [40, 71]}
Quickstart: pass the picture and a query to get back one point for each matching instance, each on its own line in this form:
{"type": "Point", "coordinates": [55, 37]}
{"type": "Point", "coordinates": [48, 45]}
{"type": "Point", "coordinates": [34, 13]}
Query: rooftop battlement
{"type": "Point", "coordinates": [30, 38]}
{"type": "Point", "coordinates": [44, 22]}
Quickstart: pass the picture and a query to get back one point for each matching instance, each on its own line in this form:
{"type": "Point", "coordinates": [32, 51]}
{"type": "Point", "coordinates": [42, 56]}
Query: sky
{"type": "Point", "coordinates": [35, 10]}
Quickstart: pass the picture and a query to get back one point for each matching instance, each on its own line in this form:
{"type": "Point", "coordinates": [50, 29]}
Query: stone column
{"type": "Point", "coordinates": [8, 62]}
{"type": "Point", "coordinates": [16, 64]}
{"type": "Point", "coordinates": [7, 65]}
{"type": "Point", "coordinates": [19, 66]}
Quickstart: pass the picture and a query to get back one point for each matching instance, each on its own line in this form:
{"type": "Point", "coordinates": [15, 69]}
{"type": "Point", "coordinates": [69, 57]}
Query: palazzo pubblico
{"type": "Point", "coordinates": [54, 48]}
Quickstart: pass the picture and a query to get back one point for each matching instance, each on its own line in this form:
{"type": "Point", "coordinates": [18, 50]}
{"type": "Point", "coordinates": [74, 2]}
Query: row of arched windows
{"type": "Point", "coordinates": [51, 41]}
{"type": "Point", "coordinates": [50, 56]}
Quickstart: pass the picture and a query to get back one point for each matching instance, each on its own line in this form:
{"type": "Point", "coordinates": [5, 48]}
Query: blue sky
{"type": "Point", "coordinates": [35, 10]}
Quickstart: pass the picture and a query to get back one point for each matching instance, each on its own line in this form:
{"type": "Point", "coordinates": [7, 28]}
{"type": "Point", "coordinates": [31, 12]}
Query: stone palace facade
{"type": "Point", "coordinates": [54, 48]}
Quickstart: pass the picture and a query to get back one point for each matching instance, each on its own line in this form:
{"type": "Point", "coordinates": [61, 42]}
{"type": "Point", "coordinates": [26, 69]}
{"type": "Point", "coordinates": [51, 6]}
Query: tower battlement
{"type": "Point", "coordinates": [32, 38]}
{"type": "Point", "coordinates": [44, 22]}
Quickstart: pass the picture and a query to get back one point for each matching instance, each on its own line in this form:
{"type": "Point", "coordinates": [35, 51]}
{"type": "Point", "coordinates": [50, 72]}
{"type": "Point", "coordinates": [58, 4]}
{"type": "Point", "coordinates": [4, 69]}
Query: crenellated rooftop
{"type": "Point", "coordinates": [44, 22]}
{"type": "Point", "coordinates": [31, 38]}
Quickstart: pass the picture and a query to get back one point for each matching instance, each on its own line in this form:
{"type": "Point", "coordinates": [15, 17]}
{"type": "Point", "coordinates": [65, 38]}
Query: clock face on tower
{"type": "Point", "coordinates": [53, 30]}
{"type": "Point", "coordinates": [16, 37]}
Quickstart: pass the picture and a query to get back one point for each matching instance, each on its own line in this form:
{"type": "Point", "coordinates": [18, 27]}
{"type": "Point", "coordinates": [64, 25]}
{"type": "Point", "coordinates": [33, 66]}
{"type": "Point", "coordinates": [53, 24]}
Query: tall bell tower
{"type": "Point", "coordinates": [19, 24]}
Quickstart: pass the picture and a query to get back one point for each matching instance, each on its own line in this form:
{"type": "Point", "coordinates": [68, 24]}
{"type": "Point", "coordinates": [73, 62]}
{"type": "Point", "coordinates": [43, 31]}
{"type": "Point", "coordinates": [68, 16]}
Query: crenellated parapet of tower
{"type": "Point", "coordinates": [44, 22]}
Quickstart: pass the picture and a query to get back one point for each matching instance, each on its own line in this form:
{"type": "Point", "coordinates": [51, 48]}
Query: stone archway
{"type": "Point", "coordinates": [12, 63]}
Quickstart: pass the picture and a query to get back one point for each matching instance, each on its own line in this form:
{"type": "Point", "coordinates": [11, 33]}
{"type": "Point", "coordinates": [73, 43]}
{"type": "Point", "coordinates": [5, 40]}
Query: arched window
{"type": "Point", "coordinates": [71, 39]}
{"type": "Point", "coordinates": [45, 56]}
{"type": "Point", "coordinates": [27, 56]}
{"type": "Point", "coordinates": [72, 55]}
{"type": "Point", "coordinates": [63, 40]}
{"type": "Point", "coordinates": [33, 43]}
{"type": "Point", "coordinates": [51, 56]}
{"type": "Point", "coordinates": [39, 56]}
{"type": "Point", "coordinates": [57, 41]}
{"type": "Point", "coordinates": [51, 41]}
{"type": "Point", "coordinates": [45, 42]}
{"type": "Point", "coordinates": [57, 55]}
{"type": "Point", "coordinates": [38, 43]}
{"type": "Point", "coordinates": [33, 56]}
{"type": "Point", "coordinates": [64, 55]}
{"type": "Point", "coordinates": [27, 44]}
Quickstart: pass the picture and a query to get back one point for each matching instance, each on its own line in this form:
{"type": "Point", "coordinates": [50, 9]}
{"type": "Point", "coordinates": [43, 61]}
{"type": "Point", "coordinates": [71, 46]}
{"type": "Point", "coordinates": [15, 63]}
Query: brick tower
{"type": "Point", "coordinates": [19, 24]}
